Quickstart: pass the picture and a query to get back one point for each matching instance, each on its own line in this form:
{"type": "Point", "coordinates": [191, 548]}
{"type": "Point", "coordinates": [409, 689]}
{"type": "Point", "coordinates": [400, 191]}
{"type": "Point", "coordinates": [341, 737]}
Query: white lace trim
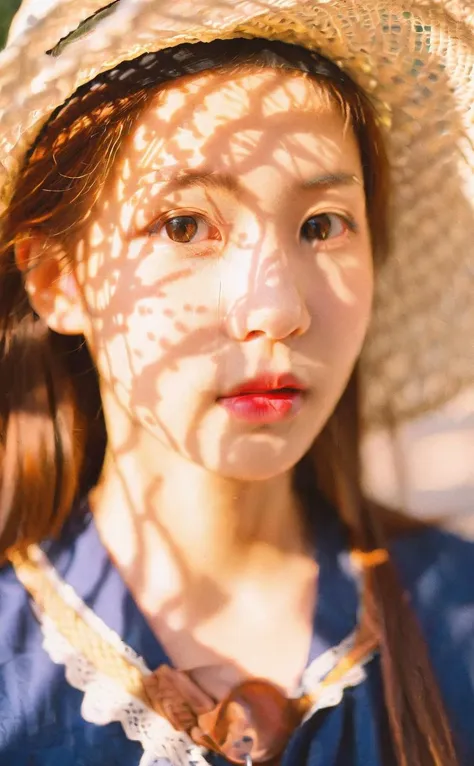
{"type": "Point", "coordinates": [105, 701]}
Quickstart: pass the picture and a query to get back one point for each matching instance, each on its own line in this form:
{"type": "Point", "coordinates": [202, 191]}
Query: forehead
{"type": "Point", "coordinates": [267, 128]}
{"type": "Point", "coordinates": [237, 93]}
{"type": "Point", "coordinates": [226, 113]}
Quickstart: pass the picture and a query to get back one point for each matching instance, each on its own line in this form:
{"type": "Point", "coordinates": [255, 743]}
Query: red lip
{"type": "Point", "coordinates": [266, 383]}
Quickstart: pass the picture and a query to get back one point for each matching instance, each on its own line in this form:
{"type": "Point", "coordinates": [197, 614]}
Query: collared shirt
{"type": "Point", "coordinates": [44, 707]}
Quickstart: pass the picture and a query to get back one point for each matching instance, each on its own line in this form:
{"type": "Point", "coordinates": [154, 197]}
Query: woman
{"type": "Point", "coordinates": [196, 215]}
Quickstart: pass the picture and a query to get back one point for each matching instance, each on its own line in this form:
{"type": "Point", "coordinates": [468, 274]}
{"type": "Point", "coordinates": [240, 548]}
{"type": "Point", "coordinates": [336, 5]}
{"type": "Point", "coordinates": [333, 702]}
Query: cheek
{"type": "Point", "coordinates": [342, 302]}
{"type": "Point", "coordinates": [147, 331]}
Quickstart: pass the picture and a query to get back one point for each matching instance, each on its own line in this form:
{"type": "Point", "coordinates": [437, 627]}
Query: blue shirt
{"type": "Point", "coordinates": [40, 711]}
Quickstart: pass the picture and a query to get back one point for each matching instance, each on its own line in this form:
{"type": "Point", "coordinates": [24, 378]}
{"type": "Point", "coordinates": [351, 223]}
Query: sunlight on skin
{"type": "Point", "coordinates": [257, 278]}
{"type": "Point", "coordinates": [335, 272]}
{"type": "Point", "coordinates": [187, 490]}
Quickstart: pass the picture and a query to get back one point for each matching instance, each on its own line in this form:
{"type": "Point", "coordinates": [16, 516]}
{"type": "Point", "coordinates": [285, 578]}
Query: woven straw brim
{"type": "Point", "coordinates": [414, 59]}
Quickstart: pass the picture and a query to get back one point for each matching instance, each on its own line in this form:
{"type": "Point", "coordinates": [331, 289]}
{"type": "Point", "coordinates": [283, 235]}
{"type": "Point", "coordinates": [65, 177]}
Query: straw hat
{"type": "Point", "coordinates": [415, 58]}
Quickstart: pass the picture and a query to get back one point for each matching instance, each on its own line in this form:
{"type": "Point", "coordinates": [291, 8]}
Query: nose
{"type": "Point", "coordinates": [267, 300]}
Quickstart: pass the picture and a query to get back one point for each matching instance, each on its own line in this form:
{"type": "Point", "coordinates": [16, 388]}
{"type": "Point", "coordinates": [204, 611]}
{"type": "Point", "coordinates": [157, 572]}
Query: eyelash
{"type": "Point", "coordinates": [157, 227]}
{"type": "Point", "coordinates": [196, 247]}
{"type": "Point", "coordinates": [345, 219]}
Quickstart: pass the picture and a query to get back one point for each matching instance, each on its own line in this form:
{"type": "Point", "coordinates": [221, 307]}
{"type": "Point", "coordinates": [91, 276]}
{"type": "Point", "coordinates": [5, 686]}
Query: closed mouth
{"type": "Point", "coordinates": [267, 385]}
{"type": "Point", "coordinates": [270, 392]}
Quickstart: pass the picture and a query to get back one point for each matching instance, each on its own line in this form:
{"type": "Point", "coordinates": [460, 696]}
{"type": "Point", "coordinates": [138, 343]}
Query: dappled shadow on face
{"type": "Point", "coordinates": [232, 241]}
{"type": "Point", "coordinates": [176, 324]}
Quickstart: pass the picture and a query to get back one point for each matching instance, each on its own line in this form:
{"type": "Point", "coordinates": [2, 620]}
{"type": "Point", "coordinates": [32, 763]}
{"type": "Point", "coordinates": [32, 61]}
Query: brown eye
{"type": "Point", "coordinates": [182, 228]}
{"type": "Point", "coordinates": [323, 226]}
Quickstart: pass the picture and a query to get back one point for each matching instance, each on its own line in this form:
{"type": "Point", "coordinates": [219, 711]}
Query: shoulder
{"type": "Point", "coordinates": [40, 711]}
{"type": "Point", "coordinates": [437, 569]}
{"type": "Point", "coordinates": [17, 626]}
{"type": "Point", "coordinates": [20, 657]}
{"type": "Point", "coordinates": [437, 572]}
{"type": "Point", "coordinates": [20, 634]}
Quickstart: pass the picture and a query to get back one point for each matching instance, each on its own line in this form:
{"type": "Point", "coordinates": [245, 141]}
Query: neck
{"type": "Point", "coordinates": [151, 501]}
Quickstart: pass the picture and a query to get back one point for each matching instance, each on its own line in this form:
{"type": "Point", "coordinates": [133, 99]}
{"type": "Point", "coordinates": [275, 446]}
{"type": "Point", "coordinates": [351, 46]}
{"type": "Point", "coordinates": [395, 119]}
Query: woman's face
{"type": "Point", "coordinates": [232, 243]}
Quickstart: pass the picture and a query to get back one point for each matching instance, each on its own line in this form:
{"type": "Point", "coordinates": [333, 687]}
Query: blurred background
{"type": "Point", "coordinates": [7, 9]}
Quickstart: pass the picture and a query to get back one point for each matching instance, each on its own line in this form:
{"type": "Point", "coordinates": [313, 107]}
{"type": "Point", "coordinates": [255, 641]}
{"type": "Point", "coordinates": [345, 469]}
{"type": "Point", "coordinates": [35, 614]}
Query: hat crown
{"type": "Point", "coordinates": [29, 13]}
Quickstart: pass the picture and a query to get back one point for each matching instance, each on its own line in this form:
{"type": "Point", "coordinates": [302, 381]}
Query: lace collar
{"type": "Point", "coordinates": [79, 570]}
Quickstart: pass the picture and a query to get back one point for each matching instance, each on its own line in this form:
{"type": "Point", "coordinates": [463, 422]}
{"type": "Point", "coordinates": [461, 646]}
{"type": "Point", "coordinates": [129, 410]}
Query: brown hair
{"type": "Point", "coordinates": [50, 410]}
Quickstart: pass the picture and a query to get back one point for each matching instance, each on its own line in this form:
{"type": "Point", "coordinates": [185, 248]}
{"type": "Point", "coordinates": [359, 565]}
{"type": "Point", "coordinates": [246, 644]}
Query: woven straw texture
{"type": "Point", "coordinates": [416, 61]}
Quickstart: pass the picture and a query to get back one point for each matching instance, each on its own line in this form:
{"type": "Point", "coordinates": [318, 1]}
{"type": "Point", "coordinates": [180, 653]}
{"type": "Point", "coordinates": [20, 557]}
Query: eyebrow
{"type": "Point", "coordinates": [208, 180]}
{"type": "Point", "coordinates": [186, 179]}
{"type": "Point", "coordinates": [332, 179]}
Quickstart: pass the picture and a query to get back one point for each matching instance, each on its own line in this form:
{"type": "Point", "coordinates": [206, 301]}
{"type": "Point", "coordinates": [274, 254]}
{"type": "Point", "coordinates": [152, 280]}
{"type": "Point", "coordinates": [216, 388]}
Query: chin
{"type": "Point", "coordinates": [261, 464]}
